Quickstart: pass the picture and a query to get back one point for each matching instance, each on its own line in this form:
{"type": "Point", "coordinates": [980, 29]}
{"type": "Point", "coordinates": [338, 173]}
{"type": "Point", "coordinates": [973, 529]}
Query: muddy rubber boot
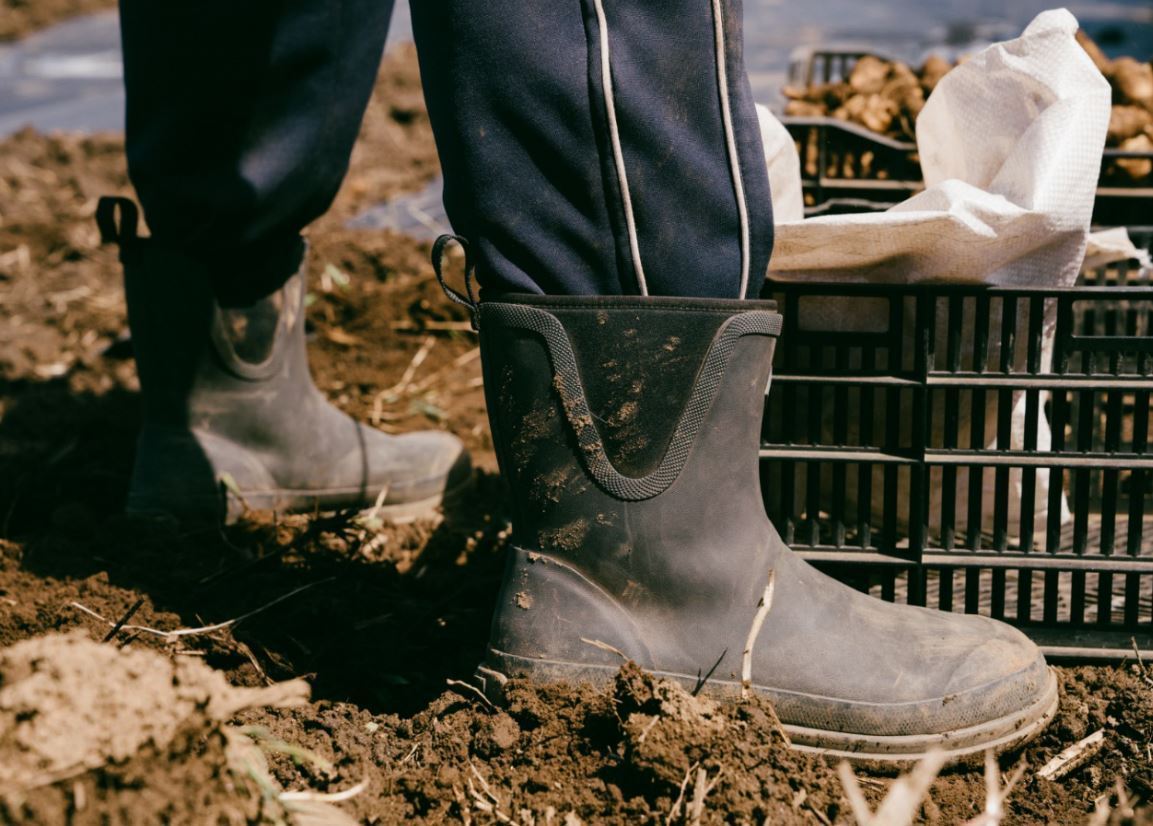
{"type": "Point", "coordinates": [628, 432]}
{"type": "Point", "coordinates": [232, 418]}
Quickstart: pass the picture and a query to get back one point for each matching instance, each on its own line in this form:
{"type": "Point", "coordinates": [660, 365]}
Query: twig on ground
{"type": "Point", "coordinates": [1073, 757]}
{"type": "Point", "coordinates": [207, 629]}
{"type": "Point", "coordinates": [228, 483]}
{"type": "Point", "coordinates": [467, 387]}
{"type": "Point", "coordinates": [370, 521]}
{"type": "Point", "coordinates": [129, 614]}
{"type": "Point", "coordinates": [406, 378]}
{"type": "Point", "coordinates": [1140, 662]}
{"type": "Point", "coordinates": [462, 803]}
{"type": "Point", "coordinates": [457, 363]}
{"type": "Point", "coordinates": [649, 726]}
{"type": "Point", "coordinates": [899, 808]}
{"type": "Point", "coordinates": [492, 804]}
{"type": "Point", "coordinates": [326, 797]}
{"type": "Point", "coordinates": [817, 813]}
{"type": "Point", "coordinates": [300, 754]}
{"type": "Point", "coordinates": [701, 681]}
{"type": "Point", "coordinates": [763, 608]}
{"type": "Point", "coordinates": [1103, 812]}
{"type": "Point", "coordinates": [675, 811]}
{"type": "Point", "coordinates": [472, 691]}
{"type": "Point", "coordinates": [701, 787]}
{"type": "Point", "coordinates": [411, 754]}
{"type": "Point", "coordinates": [604, 646]}
{"type": "Point", "coordinates": [433, 326]}
{"type": "Point", "coordinates": [995, 795]}
{"type": "Point", "coordinates": [247, 652]}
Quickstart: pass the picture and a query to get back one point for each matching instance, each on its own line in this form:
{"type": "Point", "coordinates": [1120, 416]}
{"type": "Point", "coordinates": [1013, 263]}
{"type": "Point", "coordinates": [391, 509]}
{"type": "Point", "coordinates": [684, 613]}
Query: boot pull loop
{"type": "Point", "coordinates": [465, 299]}
{"type": "Point", "coordinates": [117, 219]}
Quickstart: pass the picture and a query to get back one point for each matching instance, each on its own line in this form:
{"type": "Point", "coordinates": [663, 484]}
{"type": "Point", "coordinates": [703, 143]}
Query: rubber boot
{"type": "Point", "coordinates": [628, 431]}
{"type": "Point", "coordinates": [232, 419]}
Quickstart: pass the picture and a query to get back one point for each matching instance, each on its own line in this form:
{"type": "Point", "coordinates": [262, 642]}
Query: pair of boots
{"type": "Point", "coordinates": [627, 429]}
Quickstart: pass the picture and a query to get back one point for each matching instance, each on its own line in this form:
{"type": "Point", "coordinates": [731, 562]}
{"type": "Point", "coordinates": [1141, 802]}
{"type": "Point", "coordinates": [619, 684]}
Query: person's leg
{"type": "Point", "coordinates": [626, 424]}
{"type": "Point", "coordinates": [241, 120]}
{"type": "Point", "coordinates": [599, 148]}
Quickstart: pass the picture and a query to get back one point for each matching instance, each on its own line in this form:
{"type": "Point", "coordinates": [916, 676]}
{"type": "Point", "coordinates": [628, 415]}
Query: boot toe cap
{"type": "Point", "coordinates": [417, 466]}
{"type": "Point", "coordinates": [990, 688]}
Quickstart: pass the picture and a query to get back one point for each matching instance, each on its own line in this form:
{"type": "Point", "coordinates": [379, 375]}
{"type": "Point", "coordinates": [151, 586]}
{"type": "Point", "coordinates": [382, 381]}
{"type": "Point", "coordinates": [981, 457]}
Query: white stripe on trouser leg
{"type": "Point", "coordinates": [731, 143]}
{"type": "Point", "coordinates": [618, 154]}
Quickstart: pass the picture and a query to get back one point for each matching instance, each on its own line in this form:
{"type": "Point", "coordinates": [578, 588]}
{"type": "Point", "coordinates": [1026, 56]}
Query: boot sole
{"type": "Point", "coordinates": [195, 509]}
{"type": "Point", "coordinates": [885, 752]}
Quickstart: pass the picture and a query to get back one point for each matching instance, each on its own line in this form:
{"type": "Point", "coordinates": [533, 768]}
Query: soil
{"type": "Point", "coordinates": [376, 622]}
{"type": "Point", "coordinates": [21, 17]}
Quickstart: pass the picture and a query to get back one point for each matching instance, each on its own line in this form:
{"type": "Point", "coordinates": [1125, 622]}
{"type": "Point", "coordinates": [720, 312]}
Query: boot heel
{"type": "Point", "coordinates": [552, 622]}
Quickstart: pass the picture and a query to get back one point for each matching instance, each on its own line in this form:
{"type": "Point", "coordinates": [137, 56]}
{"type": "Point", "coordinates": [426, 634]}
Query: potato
{"type": "Point", "coordinates": [887, 97]}
{"type": "Point", "coordinates": [1127, 122]}
{"type": "Point", "coordinates": [804, 109]}
{"type": "Point", "coordinates": [1137, 168]}
{"type": "Point", "coordinates": [935, 68]}
{"type": "Point", "coordinates": [871, 111]}
{"type": "Point", "coordinates": [1133, 82]}
{"type": "Point", "coordinates": [869, 75]}
{"type": "Point", "coordinates": [906, 93]}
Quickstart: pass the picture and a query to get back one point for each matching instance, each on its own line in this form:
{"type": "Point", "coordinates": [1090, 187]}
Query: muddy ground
{"type": "Point", "coordinates": [22, 17]}
{"type": "Point", "coordinates": [374, 622]}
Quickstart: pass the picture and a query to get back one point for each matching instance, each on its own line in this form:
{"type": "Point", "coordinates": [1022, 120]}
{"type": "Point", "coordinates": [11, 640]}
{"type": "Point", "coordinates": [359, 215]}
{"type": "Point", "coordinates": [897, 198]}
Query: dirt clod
{"type": "Point", "coordinates": [76, 715]}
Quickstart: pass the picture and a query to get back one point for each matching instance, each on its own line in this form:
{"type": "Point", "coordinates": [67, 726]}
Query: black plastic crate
{"type": "Point", "coordinates": [907, 458]}
{"type": "Point", "coordinates": [844, 165]}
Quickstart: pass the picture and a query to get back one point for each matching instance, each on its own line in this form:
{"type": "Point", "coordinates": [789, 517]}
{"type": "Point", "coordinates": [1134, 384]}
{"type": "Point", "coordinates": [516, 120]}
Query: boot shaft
{"type": "Point", "coordinates": [628, 426]}
{"type": "Point", "coordinates": [196, 360]}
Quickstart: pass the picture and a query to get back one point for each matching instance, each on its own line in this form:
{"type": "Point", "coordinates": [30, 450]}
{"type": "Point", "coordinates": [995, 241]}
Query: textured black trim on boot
{"type": "Point", "coordinates": [668, 563]}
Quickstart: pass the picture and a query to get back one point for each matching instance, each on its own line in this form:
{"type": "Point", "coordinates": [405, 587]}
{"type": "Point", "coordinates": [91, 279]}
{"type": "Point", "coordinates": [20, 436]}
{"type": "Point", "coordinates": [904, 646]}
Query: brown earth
{"type": "Point", "coordinates": [21, 17]}
{"type": "Point", "coordinates": [375, 621]}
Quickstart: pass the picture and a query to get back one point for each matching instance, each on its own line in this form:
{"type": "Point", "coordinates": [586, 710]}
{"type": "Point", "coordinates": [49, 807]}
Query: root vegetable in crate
{"type": "Point", "coordinates": [935, 68]}
{"type": "Point", "coordinates": [1128, 122]}
{"type": "Point", "coordinates": [1133, 82]}
{"type": "Point", "coordinates": [887, 97]}
{"type": "Point", "coordinates": [881, 95]}
{"type": "Point", "coordinates": [1137, 168]}
{"type": "Point", "coordinates": [1010, 144]}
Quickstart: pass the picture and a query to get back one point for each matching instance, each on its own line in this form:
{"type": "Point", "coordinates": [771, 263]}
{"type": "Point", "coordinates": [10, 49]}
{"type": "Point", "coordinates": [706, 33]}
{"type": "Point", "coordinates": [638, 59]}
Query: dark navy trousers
{"type": "Point", "coordinates": [596, 147]}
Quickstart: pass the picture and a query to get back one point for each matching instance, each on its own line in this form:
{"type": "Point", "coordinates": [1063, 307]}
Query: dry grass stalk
{"type": "Point", "coordinates": [900, 806]}
{"type": "Point", "coordinates": [1140, 662]}
{"type": "Point", "coordinates": [995, 795]}
{"type": "Point", "coordinates": [675, 811]}
{"type": "Point", "coordinates": [1073, 757]}
{"type": "Point", "coordinates": [472, 691]}
{"type": "Point", "coordinates": [433, 326]}
{"type": "Point", "coordinates": [488, 803]}
{"type": "Point", "coordinates": [206, 629]}
{"type": "Point", "coordinates": [604, 646]}
{"type": "Point", "coordinates": [701, 788]}
{"type": "Point", "coordinates": [1103, 813]}
{"type": "Point", "coordinates": [763, 608]}
{"type": "Point", "coordinates": [325, 797]}
{"type": "Point", "coordinates": [392, 394]}
{"type": "Point", "coordinates": [457, 363]}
